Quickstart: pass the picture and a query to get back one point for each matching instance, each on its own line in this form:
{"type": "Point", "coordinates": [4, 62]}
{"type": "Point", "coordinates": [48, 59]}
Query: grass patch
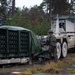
{"type": "Point", "coordinates": [51, 68]}
{"type": "Point", "coordinates": [26, 73]}
{"type": "Point", "coordinates": [47, 68]}
{"type": "Point", "coordinates": [70, 64]}
{"type": "Point", "coordinates": [71, 71]}
{"type": "Point", "coordinates": [72, 55]}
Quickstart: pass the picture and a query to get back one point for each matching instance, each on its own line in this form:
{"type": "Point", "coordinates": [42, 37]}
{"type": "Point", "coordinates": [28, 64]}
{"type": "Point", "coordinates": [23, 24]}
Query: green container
{"type": "Point", "coordinates": [17, 42]}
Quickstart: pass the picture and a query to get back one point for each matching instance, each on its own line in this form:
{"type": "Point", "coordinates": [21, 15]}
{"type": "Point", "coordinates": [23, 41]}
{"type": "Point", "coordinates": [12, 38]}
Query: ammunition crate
{"type": "Point", "coordinates": [14, 43]}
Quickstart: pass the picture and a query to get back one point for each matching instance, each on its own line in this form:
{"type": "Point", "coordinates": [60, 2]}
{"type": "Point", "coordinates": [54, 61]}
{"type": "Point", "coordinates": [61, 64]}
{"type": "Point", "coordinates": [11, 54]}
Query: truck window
{"type": "Point", "coordinates": [62, 26]}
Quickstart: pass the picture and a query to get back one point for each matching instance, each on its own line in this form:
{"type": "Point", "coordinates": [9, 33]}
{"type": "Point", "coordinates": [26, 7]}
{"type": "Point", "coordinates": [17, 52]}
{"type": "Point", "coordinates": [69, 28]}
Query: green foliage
{"type": "Point", "coordinates": [40, 29]}
{"type": "Point", "coordinates": [61, 7]}
{"type": "Point", "coordinates": [34, 19]}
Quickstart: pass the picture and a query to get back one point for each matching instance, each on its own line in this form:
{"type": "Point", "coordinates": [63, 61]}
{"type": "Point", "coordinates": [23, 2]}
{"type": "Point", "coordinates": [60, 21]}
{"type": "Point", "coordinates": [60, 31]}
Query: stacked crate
{"type": "Point", "coordinates": [3, 43]}
{"type": "Point", "coordinates": [13, 43]}
{"type": "Point", "coordinates": [24, 43]}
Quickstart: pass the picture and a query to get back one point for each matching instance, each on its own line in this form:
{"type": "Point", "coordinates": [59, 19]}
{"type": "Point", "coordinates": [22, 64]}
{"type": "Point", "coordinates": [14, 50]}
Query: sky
{"type": "Point", "coordinates": [27, 3]}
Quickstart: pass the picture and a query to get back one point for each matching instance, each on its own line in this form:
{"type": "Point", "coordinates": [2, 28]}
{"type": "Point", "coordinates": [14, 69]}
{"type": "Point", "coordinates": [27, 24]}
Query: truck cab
{"type": "Point", "coordinates": [63, 28]}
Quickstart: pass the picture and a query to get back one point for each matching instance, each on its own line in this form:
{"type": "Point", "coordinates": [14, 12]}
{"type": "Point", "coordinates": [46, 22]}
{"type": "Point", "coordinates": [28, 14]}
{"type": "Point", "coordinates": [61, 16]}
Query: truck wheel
{"type": "Point", "coordinates": [64, 49]}
{"type": "Point", "coordinates": [58, 49]}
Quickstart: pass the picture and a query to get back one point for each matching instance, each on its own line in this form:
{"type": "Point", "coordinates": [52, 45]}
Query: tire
{"type": "Point", "coordinates": [64, 49]}
{"type": "Point", "coordinates": [58, 50]}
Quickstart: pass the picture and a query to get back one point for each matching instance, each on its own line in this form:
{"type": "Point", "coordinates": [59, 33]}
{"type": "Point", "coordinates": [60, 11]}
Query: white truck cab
{"type": "Point", "coordinates": [64, 30]}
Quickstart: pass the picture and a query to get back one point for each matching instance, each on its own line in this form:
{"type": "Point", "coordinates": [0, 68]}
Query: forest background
{"type": "Point", "coordinates": [37, 18]}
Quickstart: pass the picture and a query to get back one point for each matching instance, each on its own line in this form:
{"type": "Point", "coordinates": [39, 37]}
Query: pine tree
{"type": "Point", "coordinates": [61, 7]}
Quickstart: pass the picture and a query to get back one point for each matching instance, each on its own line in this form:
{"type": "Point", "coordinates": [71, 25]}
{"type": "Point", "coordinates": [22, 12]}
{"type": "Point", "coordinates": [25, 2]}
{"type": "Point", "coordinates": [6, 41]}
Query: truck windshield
{"type": "Point", "coordinates": [62, 26]}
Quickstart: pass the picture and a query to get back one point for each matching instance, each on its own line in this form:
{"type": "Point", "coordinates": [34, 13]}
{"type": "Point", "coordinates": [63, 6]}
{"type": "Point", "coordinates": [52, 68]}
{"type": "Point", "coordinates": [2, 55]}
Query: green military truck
{"type": "Point", "coordinates": [17, 45]}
